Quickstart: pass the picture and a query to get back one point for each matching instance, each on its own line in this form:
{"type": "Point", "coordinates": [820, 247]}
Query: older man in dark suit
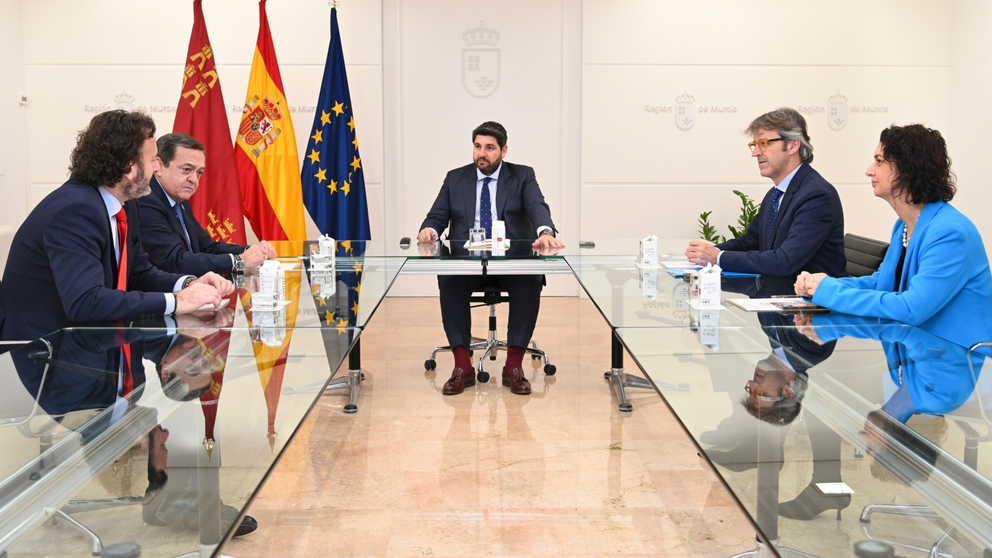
{"type": "Point", "coordinates": [474, 196]}
{"type": "Point", "coordinates": [76, 260]}
{"type": "Point", "coordinates": [800, 225]}
{"type": "Point", "coordinates": [170, 233]}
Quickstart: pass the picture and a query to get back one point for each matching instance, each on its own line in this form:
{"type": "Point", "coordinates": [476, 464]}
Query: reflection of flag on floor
{"type": "Point", "coordinates": [271, 360]}
{"type": "Point", "coordinates": [201, 113]}
{"type": "Point", "coordinates": [268, 165]}
{"type": "Point", "coordinates": [332, 176]}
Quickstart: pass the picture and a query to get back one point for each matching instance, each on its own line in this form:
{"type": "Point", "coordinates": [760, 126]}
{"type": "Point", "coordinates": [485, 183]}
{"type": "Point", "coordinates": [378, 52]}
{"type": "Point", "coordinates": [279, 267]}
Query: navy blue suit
{"type": "Point", "coordinates": [162, 237]}
{"type": "Point", "coordinates": [808, 233]}
{"type": "Point", "coordinates": [521, 206]}
{"type": "Point", "coordinates": [62, 269]}
{"type": "Point", "coordinates": [519, 203]}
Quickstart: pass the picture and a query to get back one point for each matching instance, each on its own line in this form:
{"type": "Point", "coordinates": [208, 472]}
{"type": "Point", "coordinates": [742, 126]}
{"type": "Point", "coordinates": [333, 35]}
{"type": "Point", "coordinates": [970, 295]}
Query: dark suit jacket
{"type": "Point", "coordinates": [808, 234]}
{"type": "Point", "coordinates": [519, 203]}
{"type": "Point", "coordinates": [62, 268]}
{"type": "Point", "coordinates": [162, 237]}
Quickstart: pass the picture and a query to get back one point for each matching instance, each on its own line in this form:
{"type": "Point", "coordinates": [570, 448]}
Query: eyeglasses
{"type": "Point", "coordinates": [762, 143]}
{"type": "Point", "coordinates": [760, 397]}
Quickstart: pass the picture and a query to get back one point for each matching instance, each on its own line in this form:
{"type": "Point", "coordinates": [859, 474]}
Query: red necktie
{"type": "Point", "coordinates": [127, 385]}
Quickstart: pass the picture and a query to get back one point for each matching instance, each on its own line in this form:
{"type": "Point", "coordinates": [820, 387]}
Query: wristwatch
{"type": "Point", "coordinates": [188, 281]}
{"type": "Point", "coordinates": [239, 264]}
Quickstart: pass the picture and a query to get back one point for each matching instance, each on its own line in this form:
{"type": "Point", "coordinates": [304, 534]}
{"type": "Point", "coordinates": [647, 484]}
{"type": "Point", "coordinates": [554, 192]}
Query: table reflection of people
{"type": "Point", "coordinates": [928, 376]}
{"type": "Point", "coordinates": [82, 371]}
{"type": "Point", "coordinates": [936, 269]}
{"type": "Point", "coordinates": [190, 365]}
{"type": "Point", "coordinates": [773, 395]}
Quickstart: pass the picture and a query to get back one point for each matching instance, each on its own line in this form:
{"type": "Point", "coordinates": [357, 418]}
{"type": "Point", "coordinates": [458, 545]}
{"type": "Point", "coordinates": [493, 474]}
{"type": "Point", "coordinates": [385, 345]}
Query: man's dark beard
{"type": "Point", "coordinates": [490, 168]}
{"type": "Point", "coordinates": [139, 186]}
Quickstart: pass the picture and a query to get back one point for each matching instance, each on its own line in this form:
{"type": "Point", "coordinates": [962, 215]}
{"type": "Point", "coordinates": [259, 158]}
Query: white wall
{"type": "Point", "coordinates": [13, 155]}
{"type": "Point", "coordinates": [430, 113]}
{"type": "Point", "coordinates": [970, 113]}
{"type": "Point", "coordinates": [576, 77]}
{"type": "Point", "coordinates": [641, 54]}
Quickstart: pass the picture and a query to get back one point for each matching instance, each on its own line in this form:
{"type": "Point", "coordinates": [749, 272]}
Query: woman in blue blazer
{"type": "Point", "coordinates": [936, 269]}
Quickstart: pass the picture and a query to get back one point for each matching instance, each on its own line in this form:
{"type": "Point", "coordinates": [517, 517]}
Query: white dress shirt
{"type": "Point", "coordinates": [113, 206]}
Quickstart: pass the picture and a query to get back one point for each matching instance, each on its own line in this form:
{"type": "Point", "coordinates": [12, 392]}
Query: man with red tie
{"type": "Point", "coordinates": [76, 260]}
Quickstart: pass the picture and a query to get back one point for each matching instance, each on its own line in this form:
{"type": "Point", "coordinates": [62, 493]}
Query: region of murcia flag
{"type": "Point", "coordinates": [201, 113]}
{"type": "Point", "coordinates": [268, 165]}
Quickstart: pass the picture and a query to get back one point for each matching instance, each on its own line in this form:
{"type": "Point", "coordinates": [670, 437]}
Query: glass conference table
{"type": "Point", "coordinates": [832, 404]}
{"type": "Point", "coordinates": [216, 397]}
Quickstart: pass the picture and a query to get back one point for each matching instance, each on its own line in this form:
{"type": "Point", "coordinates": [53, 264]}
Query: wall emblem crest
{"type": "Point", "coordinates": [480, 61]}
{"type": "Point", "coordinates": [837, 113]}
{"type": "Point", "coordinates": [685, 111]}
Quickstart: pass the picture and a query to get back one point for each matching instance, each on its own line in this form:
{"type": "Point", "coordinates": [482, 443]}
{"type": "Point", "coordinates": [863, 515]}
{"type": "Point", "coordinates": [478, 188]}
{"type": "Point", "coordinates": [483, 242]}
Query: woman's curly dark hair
{"type": "Point", "coordinates": [109, 146]}
{"type": "Point", "coordinates": [921, 163]}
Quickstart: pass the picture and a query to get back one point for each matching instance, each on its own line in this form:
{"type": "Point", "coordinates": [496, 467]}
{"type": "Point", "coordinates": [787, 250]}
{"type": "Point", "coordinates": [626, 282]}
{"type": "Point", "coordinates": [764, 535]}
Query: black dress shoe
{"type": "Point", "coordinates": [248, 525]}
{"type": "Point", "coordinates": [811, 503]}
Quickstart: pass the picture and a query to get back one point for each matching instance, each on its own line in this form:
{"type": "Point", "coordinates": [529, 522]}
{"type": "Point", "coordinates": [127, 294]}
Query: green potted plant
{"type": "Point", "coordinates": [749, 209]}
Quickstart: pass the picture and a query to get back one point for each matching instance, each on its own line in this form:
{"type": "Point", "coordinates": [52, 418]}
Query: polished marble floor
{"type": "Point", "coordinates": [489, 473]}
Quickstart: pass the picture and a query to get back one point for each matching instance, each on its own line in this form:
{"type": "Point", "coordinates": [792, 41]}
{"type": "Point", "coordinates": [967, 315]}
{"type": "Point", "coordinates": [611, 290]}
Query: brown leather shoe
{"type": "Point", "coordinates": [458, 381]}
{"type": "Point", "coordinates": [515, 380]}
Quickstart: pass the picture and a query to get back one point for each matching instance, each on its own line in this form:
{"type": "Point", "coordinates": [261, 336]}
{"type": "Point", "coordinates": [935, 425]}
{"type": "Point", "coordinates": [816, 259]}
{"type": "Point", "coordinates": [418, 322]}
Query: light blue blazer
{"type": "Point", "coordinates": [946, 278]}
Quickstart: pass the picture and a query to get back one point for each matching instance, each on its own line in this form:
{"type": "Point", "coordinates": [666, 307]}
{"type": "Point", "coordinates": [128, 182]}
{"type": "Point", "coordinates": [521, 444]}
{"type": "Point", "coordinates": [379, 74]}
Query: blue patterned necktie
{"type": "Point", "coordinates": [182, 223]}
{"type": "Point", "coordinates": [770, 223]}
{"type": "Point", "coordinates": [486, 208]}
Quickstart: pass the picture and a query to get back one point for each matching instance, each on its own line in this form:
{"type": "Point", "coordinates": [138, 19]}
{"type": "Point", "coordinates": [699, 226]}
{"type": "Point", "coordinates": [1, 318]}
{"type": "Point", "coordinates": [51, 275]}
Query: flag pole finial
{"type": "Point", "coordinates": [332, 3]}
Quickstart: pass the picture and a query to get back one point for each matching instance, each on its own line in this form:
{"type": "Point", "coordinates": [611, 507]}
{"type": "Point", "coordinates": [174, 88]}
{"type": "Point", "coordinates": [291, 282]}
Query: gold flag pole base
{"type": "Point", "coordinates": [208, 444]}
{"type": "Point", "coordinates": [272, 441]}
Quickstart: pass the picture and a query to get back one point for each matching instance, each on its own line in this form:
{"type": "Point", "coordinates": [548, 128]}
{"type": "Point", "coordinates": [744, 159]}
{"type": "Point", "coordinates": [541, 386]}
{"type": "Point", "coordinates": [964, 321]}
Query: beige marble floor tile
{"type": "Point", "coordinates": [489, 473]}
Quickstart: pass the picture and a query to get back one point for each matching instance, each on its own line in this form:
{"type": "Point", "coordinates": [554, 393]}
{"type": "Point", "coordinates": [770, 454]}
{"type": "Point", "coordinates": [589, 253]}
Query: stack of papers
{"type": "Point", "coordinates": [791, 304]}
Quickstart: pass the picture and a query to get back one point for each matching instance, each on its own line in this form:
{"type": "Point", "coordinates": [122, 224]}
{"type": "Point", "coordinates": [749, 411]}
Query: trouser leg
{"type": "Point", "coordinates": [524, 292]}
{"type": "Point", "coordinates": [456, 313]}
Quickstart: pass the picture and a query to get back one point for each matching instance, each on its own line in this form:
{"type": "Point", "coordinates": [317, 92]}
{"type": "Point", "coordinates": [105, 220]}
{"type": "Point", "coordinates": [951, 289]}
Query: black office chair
{"type": "Point", "coordinates": [491, 296]}
{"type": "Point", "coordinates": [864, 255]}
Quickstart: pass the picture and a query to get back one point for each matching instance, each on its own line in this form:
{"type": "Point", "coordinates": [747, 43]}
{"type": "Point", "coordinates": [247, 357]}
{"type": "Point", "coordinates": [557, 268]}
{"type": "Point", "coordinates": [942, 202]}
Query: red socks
{"type": "Point", "coordinates": [514, 357]}
{"type": "Point", "coordinates": [463, 358]}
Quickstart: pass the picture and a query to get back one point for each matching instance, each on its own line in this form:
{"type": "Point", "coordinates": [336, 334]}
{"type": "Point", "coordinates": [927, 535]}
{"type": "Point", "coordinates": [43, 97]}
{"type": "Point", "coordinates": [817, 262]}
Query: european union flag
{"type": "Point", "coordinates": [332, 176]}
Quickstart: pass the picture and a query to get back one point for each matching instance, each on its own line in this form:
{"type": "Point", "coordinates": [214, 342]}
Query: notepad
{"type": "Point", "coordinates": [796, 305]}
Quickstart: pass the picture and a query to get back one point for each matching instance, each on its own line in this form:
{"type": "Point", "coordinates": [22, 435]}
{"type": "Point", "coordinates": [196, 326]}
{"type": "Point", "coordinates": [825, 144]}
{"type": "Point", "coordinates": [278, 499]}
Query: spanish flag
{"type": "Point", "coordinates": [268, 165]}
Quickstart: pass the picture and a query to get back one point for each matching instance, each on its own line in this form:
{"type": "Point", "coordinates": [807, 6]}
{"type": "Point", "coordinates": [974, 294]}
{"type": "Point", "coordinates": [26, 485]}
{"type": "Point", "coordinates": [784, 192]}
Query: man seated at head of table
{"type": "Point", "coordinates": [75, 260]}
{"type": "Point", "coordinates": [170, 233]}
{"type": "Point", "coordinates": [800, 224]}
{"type": "Point", "coordinates": [936, 269]}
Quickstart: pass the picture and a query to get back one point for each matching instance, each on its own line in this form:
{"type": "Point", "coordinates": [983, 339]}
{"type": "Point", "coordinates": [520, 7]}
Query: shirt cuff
{"type": "Point", "coordinates": [718, 254]}
{"type": "Point", "coordinates": [170, 303]}
{"type": "Point", "coordinates": [233, 261]}
{"type": "Point", "coordinates": [179, 284]}
{"type": "Point", "coordinates": [545, 228]}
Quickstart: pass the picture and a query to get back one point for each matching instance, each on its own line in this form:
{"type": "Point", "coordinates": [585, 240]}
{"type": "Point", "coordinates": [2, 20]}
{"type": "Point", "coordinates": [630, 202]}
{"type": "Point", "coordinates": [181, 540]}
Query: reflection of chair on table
{"type": "Point", "coordinates": [491, 296]}
{"type": "Point", "coordinates": [972, 418]}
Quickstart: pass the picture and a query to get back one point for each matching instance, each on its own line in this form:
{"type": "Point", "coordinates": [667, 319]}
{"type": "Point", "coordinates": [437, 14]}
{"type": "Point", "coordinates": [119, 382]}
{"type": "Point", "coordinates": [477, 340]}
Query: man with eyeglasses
{"type": "Point", "coordinates": [174, 239]}
{"type": "Point", "coordinates": [800, 224]}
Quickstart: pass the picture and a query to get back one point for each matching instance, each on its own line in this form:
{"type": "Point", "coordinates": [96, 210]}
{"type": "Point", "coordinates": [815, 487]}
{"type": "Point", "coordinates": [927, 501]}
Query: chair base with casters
{"type": "Point", "coordinates": [352, 381]}
{"type": "Point", "coordinates": [63, 516]}
{"type": "Point", "coordinates": [490, 345]}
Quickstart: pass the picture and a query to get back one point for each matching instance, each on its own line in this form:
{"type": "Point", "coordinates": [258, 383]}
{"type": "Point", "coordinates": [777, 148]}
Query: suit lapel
{"type": "Point", "coordinates": [469, 202]}
{"type": "Point", "coordinates": [503, 189]}
{"type": "Point", "coordinates": [170, 213]}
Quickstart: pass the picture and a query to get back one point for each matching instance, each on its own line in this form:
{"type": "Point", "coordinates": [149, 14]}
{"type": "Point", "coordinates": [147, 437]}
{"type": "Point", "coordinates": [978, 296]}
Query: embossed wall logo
{"type": "Point", "coordinates": [685, 111]}
{"type": "Point", "coordinates": [837, 114]}
{"type": "Point", "coordinates": [124, 100]}
{"type": "Point", "coordinates": [480, 61]}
